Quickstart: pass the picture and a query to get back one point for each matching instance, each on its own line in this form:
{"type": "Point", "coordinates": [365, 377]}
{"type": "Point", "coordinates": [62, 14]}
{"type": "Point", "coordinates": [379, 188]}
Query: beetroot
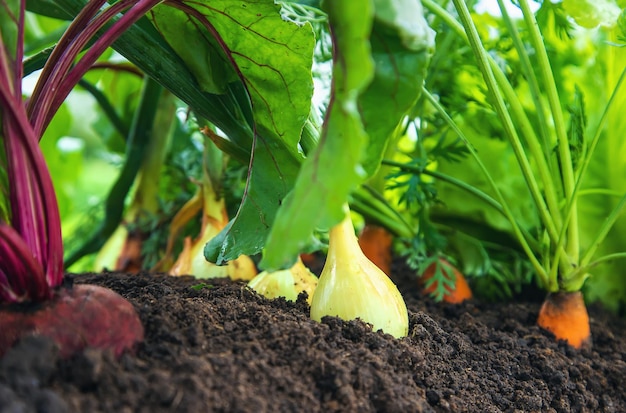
{"type": "Point", "coordinates": [75, 318]}
{"type": "Point", "coordinates": [31, 246]}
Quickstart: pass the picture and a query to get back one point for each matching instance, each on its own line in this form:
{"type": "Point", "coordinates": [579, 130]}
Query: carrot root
{"type": "Point", "coordinates": [375, 242]}
{"type": "Point", "coordinates": [462, 290]}
{"type": "Point", "coordinates": [308, 258]}
{"type": "Point", "coordinates": [130, 259]}
{"type": "Point", "coordinates": [565, 315]}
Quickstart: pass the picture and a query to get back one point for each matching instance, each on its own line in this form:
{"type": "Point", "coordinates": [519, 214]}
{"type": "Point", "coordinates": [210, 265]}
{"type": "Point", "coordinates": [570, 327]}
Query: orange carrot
{"type": "Point", "coordinates": [376, 243]}
{"type": "Point", "coordinates": [461, 291]}
{"type": "Point", "coordinates": [314, 261]}
{"type": "Point", "coordinates": [564, 314]}
{"type": "Point", "coordinates": [308, 258]}
{"type": "Point", "coordinates": [130, 259]}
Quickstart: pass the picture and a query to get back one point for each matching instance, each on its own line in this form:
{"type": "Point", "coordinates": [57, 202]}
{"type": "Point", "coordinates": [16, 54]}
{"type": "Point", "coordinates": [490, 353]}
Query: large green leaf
{"type": "Point", "coordinates": [381, 53]}
{"type": "Point", "coordinates": [198, 48]}
{"type": "Point", "coordinates": [49, 8]}
{"type": "Point", "coordinates": [402, 44]}
{"type": "Point", "coordinates": [334, 168]}
{"type": "Point", "coordinates": [273, 58]}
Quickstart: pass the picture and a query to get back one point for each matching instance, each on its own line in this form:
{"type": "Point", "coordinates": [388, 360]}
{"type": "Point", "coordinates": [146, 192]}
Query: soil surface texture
{"type": "Point", "coordinates": [222, 348]}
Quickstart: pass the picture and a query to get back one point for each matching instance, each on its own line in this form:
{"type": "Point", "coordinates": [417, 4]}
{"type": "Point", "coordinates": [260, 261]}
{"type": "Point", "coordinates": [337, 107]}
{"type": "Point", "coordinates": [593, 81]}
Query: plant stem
{"type": "Point", "coordinates": [366, 202]}
{"type": "Point", "coordinates": [524, 125]}
{"type": "Point", "coordinates": [61, 58]}
{"type": "Point", "coordinates": [21, 276]}
{"type": "Point", "coordinates": [581, 273]}
{"type": "Point", "coordinates": [535, 150]}
{"type": "Point", "coordinates": [604, 230]}
{"type": "Point", "coordinates": [596, 138]}
{"type": "Point", "coordinates": [503, 114]}
{"type": "Point", "coordinates": [145, 198]}
{"type": "Point", "coordinates": [535, 90]}
{"type": "Point", "coordinates": [31, 197]}
{"type": "Point", "coordinates": [509, 215]}
{"type": "Point", "coordinates": [470, 189]}
{"type": "Point", "coordinates": [18, 69]}
{"type": "Point", "coordinates": [52, 89]}
{"type": "Point", "coordinates": [136, 11]}
{"type": "Point", "coordinates": [589, 154]}
{"type": "Point", "coordinates": [107, 107]}
{"type": "Point", "coordinates": [136, 144]}
{"type": "Point", "coordinates": [586, 160]}
{"type": "Point", "coordinates": [600, 191]}
{"type": "Point", "coordinates": [214, 161]}
{"type": "Point", "coordinates": [567, 169]}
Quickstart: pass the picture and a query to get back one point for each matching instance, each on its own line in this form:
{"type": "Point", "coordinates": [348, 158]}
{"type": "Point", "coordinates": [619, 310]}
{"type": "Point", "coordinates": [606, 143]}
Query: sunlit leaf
{"type": "Point", "coordinates": [144, 46]}
{"type": "Point", "coordinates": [197, 47]}
{"type": "Point", "coordinates": [334, 168]}
{"type": "Point", "coordinates": [592, 13]}
{"type": "Point", "coordinates": [273, 60]}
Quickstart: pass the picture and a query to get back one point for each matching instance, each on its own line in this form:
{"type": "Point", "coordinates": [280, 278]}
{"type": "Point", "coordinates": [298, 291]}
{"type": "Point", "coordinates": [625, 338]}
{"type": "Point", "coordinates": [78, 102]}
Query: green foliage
{"type": "Point", "coordinates": [272, 59]}
{"type": "Point", "coordinates": [8, 26]}
{"type": "Point", "coordinates": [198, 49]}
{"type": "Point", "coordinates": [343, 136]}
{"type": "Point", "coordinates": [443, 277]}
{"type": "Point", "coordinates": [122, 90]}
{"type": "Point", "coordinates": [41, 32]}
{"type": "Point", "coordinates": [381, 54]}
{"type": "Point", "coordinates": [248, 68]}
{"type": "Point", "coordinates": [578, 123]}
{"type": "Point", "coordinates": [498, 272]}
{"type": "Point", "coordinates": [603, 183]}
{"type": "Point", "coordinates": [521, 97]}
{"type": "Point", "coordinates": [64, 156]}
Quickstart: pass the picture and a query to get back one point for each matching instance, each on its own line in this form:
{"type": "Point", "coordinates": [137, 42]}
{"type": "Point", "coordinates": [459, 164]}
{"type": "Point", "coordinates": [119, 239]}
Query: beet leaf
{"type": "Point", "coordinates": [273, 58]}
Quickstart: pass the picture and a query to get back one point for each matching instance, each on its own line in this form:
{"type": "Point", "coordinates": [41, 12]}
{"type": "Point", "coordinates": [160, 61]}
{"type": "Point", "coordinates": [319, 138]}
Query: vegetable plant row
{"type": "Point", "coordinates": [494, 159]}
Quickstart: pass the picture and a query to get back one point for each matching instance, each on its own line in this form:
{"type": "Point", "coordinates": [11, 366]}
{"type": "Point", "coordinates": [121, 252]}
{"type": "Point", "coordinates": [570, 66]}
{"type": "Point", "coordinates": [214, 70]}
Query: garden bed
{"type": "Point", "coordinates": [223, 348]}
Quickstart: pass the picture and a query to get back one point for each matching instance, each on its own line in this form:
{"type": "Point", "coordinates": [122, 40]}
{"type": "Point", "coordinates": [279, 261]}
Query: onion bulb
{"type": "Point", "coordinates": [191, 261]}
{"type": "Point", "coordinates": [287, 283]}
{"type": "Point", "coordinates": [351, 286]}
{"type": "Point", "coordinates": [210, 201]}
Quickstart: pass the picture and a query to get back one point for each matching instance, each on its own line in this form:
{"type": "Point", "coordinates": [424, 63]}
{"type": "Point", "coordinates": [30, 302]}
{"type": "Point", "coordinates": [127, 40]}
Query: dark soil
{"type": "Point", "coordinates": [222, 348]}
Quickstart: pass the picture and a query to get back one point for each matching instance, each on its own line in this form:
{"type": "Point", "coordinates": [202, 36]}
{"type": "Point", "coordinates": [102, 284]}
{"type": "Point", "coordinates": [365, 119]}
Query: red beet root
{"type": "Point", "coordinates": [76, 318]}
